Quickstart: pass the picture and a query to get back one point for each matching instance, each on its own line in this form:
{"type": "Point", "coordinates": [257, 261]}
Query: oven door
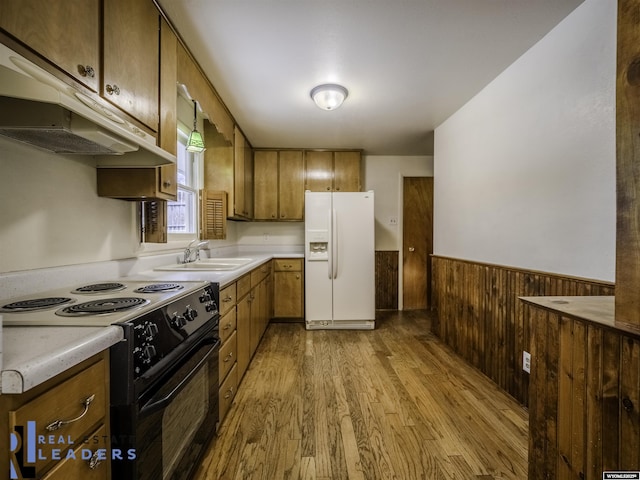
{"type": "Point", "coordinates": [173, 422]}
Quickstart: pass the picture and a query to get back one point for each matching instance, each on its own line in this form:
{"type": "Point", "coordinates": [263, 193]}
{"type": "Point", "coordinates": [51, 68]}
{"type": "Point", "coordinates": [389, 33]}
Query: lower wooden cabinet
{"type": "Point", "coordinates": [227, 391]}
{"type": "Point", "coordinates": [71, 415]}
{"type": "Point", "coordinates": [288, 296]}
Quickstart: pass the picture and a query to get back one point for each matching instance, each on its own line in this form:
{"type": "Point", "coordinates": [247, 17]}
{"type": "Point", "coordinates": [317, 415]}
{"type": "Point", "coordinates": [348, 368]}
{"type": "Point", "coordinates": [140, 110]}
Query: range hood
{"type": "Point", "coordinates": [38, 109]}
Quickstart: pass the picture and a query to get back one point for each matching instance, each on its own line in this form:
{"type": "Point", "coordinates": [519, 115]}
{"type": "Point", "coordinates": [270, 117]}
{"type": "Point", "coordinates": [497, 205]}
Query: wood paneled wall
{"type": "Point", "coordinates": [585, 398]}
{"type": "Point", "coordinates": [387, 279]}
{"type": "Point", "coordinates": [480, 317]}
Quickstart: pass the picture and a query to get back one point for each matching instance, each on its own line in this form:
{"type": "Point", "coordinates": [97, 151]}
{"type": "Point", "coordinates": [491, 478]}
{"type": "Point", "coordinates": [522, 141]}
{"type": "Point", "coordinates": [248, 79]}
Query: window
{"type": "Point", "coordinates": [182, 215]}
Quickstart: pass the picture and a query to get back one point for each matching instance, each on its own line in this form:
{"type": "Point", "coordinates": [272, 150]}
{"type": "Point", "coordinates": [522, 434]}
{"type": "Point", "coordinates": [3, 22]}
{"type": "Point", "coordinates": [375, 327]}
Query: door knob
{"type": "Point", "coordinates": [411, 249]}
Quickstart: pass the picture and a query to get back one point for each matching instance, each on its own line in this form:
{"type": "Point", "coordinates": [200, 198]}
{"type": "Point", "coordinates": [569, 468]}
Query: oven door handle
{"type": "Point", "coordinates": [155, 403]}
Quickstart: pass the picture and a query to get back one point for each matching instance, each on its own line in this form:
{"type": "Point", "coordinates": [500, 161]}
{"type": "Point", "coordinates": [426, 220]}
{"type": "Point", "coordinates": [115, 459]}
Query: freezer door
{"type": "Point", "coordinates": [353, 256]}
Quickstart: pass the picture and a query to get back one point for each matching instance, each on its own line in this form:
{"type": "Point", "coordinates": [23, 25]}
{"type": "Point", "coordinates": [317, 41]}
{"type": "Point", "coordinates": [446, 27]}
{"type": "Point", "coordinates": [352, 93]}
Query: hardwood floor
{"type": "Point", "coordinates": [393, 403]}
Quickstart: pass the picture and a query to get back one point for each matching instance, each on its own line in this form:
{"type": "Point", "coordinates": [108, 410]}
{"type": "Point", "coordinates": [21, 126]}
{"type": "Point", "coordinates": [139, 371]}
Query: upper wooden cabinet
{"type": "Point", "coordinates": [243, 177]}
{"type": "Point", "coordinates": [131, 58]}
{"type": "Point", "coordinates": [69, 35]}
{"type": "Point", "coordinates": [328, 171]}
{"type": "Point", "coordinates": [66, 33]}
{"type": "Point", "coordinates": [278, 185]}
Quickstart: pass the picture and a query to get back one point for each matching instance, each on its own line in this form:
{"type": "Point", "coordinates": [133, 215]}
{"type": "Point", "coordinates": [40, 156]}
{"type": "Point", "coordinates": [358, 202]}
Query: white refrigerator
{"type": "Point", "coordinates": [339, 260]}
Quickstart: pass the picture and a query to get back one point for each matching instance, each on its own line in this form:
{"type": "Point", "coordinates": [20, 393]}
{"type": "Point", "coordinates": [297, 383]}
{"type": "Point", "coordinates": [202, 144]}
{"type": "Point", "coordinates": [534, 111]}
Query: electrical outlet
{"type": "Point", "coordinates": [526, 362]}
{"type": "Point", "coordinates": [393, 221]}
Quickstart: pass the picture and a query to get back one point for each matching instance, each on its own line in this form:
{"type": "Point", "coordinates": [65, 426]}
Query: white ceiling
{"type": "Point", "coordinates": [408, 64]}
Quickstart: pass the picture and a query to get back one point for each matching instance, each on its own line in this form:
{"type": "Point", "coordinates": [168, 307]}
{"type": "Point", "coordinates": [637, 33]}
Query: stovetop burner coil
{"type": "Point", "coordinates": [104, 306]}
{"type": "Point", "coordinates": [35, 304]}
{"type": "Point", "coordinates": [159, 288]}
{"type": "Point", "coordinates": [101, 288]}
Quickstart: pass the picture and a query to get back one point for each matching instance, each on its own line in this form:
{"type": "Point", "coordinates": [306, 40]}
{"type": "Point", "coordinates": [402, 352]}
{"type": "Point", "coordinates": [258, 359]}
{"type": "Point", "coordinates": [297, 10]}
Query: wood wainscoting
{"type": "Point", "coordinates": [387, 279]}
{"type": "Point", "coordinates": [585, 398]}
{"type": "Point", "coordinates": [479, 316]}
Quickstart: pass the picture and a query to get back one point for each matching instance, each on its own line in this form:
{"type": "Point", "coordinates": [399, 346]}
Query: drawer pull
{"type": "Point", "coordinates": [227, 299]}
{"type": "Point", "coordinates": [95, 460]}
{"type": "Point", "coordinates": [53, 426]}
{"type": "Point", "coordinates": [228, 357]}
{"type": "Point", "coordinates": [228, 394]}
{"type": "Point", "coordinates": [227, 326]}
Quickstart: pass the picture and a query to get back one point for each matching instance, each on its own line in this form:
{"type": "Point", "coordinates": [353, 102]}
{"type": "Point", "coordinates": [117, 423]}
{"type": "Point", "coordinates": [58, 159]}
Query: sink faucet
{"type": "Point", "coordinates": [188, 252]}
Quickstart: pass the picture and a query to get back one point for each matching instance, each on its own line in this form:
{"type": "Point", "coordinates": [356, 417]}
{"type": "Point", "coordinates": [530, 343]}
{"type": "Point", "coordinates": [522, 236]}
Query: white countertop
{"type": "Point", "coordinates": [32, 355]}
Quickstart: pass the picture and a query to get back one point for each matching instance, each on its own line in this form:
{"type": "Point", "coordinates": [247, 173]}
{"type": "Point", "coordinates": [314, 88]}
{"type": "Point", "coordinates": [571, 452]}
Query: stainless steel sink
{"type": "Point", "coordinates": [211, 264]}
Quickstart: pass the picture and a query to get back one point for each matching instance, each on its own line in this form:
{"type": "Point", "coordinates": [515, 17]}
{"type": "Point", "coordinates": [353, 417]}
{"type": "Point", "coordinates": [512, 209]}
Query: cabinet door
{"type": "Point", "coordinates": [239, 208]}
{"type": "Point", "coordinates": [131, 58]}
{"type": "Point", "coordinates": [243, 335]}
{"type": "Point", "coordinates": [346, 171]}
{"type": "Point", "coordinates": [319, 171]}
{"type": "Point", "coordinates": [287, 295]}
{"type": "Point", "coordinates": [67, 33]}
{"type": "Point", "coordinates": [248, 179]}
{"type": "Point", "coordinates": [168, 129]}
{"type": "Point", "coordinates": [265, 185]}
{"type": "Point", "coordinates": [291, 185]}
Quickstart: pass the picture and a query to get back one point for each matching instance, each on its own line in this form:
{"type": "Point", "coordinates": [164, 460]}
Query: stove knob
{"type": "Point", "coordinates": [211, 307]}
{"type": "Point", "coordinates": [190, 314]}
{"type": "Point", "coordinates": [178, 322]}
{"type": "Point", "coordinates": [151, 330]}
{"type": "Point", "coordinates": [149, 353]}
{"type": "Point", "coordinates": [204, 298]}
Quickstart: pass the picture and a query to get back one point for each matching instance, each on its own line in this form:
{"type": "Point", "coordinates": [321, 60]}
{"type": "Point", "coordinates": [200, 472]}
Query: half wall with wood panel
{"type": "Point", "coordinates": [479, 316]}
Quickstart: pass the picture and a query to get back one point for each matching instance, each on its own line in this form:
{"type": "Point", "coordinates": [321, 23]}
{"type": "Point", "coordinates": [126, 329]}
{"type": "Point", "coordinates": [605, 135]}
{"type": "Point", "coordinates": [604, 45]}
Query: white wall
{"type": "Point", "coordinates": [525, 171]}
{"type": "Point", "coordinates": [383, 175]}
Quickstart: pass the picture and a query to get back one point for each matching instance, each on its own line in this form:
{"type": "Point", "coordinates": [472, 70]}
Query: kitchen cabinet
{"type": "Point", "coordinates": [337, 171]}
{"type": "Point", "coordinates": [137, 183]}
{"type": "Point", "coordinates": [243, 177]}
{"type": "Point", "coordinates": [113, 51]}
{"type": "Point", "coordinates": [278, 185]}
{"type": "Point", "coordinates": [65, 33]}
{"type": "Point", "coordinates": [84, 387]}
{"type": "Point", "coordinates": [130, 58]}
{"type": "Point", "coordinates": [227, 377]}
{"type": "Point", "coordinates": [229, 168]}
{"type": "Point", "coordinates": [288, 295]}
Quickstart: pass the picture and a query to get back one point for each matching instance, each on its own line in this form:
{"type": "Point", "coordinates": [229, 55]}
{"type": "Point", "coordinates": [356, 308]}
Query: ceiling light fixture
{"type": "Point", "coordinates": [329, 96]}
{"type": "Point", "coordinates": [195, 142]}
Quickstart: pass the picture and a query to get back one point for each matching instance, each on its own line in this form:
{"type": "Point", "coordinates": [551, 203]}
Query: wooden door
{"type": "Point", "coordinates": [131, 58]}
{"type": "Point", "coordinates": [291, 185]}
{"type": "Point", "coordinates": [346, 171]}
{"type": "Point", "coordinates": [265, 185]}
{"type": "Point", "coordinates": [417, 242]}
{"type": "Point", "coordinates": [319, 171]}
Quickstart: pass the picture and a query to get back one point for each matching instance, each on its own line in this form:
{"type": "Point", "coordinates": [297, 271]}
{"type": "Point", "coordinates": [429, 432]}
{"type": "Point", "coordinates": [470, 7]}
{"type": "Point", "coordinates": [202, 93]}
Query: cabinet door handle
{"type": "Point", "coordinates": [228, 394]}
{"type": "Point", "coordinates": [227, 299]}
{"type": "Point", "coordinates": [86, 71]}
{"type": "Point", "coordinates": [112, 89]}
{"type": "Point", "coordinates": [61, 423]}
{"type": "Point", "coordinates": [166, 184]}
{"type": "Point", "coordinates": [228, 357]}
{"type": "Point", "coordinates": [95, 460]}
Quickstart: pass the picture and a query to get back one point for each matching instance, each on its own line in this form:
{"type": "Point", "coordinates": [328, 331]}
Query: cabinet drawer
{"type": "Point", "coordinates": [260, 273]}
{"type": "Point", "coordinates": [244, 286]}
{"type": "Point", "coordinates": [227, 325]}
{"type": "Point", "coordinates": [287, 264]}
{"type": "Point", "coordinates": [227, 298]}
{"type": "Point", "coordinates": [80, 467]}
{"type": "Point", "coordinates": [228, 354]}
{"type": "Point", "coordinates": [66, 402]}
{"type": "Point", "coordinates": [228, 392]}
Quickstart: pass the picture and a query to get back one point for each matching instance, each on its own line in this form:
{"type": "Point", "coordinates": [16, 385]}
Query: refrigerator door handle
{"type": "Point", "coordinates": [334, 241]}
{"type": "Point", "coordinates": [329, 248]}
